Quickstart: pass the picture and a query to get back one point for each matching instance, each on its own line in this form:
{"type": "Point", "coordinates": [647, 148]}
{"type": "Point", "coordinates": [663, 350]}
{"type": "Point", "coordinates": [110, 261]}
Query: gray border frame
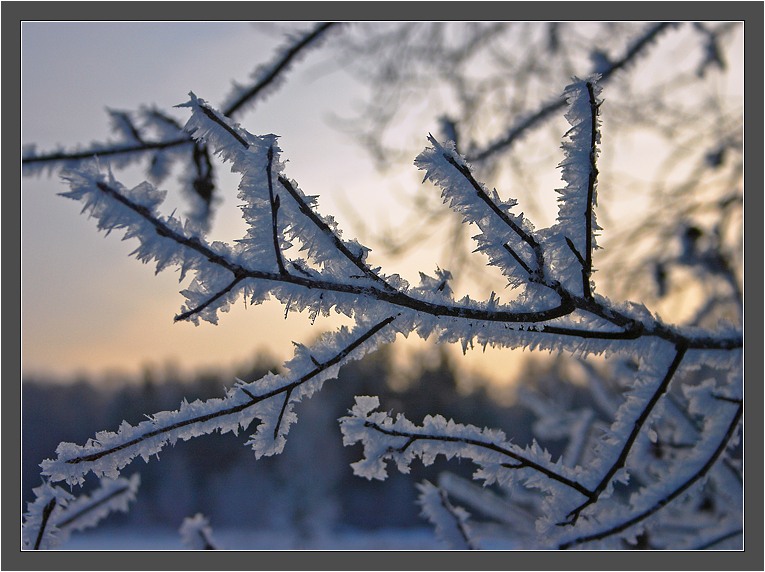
{"type": "Point", "coordinates": [14, 13]}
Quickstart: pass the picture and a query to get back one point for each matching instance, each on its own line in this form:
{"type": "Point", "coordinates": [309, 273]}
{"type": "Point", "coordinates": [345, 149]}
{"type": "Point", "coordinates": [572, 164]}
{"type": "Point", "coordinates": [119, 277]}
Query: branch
{"type": "Point", "coordinates": [450, 521]}
{"type": "Point", "coordinates": [274, 210]}
{"type": "Point", "coordinates": [720, 538]}
{"type": "Point", "coordinates": [589, 216]}
{"type": "Point", "coordinates": [248, 97]}
{"type": "Point", "coordinates": [196, 310]}
{"type": "Point", "coordinates": [55, 514]}
{"type": "Point", "coordinates": [87, 510]}
{"type": "Point", "coordinates": [196, 533]}
{"type": "Point", "coordinates": [356, 259]}
{"type": "Point", "coordinates": [536, 118]}
{"type": "Point", "coordinates": [550, 264]}
{"type": "Point", "coordinates": [47, 511]}
{"type": "Point", "coordinates": [501, 231]}
{"type": "Point", "coordinates": [628, 442]}
{"type": "Point", "coordinates": [285, 404]}
{"type": "Point", "coordinates": [311, 283]}
{"type": "Point", "coordinates": [678, 411]}
{"type": "Point", "coordinates": [576, 223]}
{"type": "Point", "coordinates": [137, 145]}
{"type": "Point", "coordinates": [110, 452]}
{"type": "Point", "coordinates": [537, 273]}
{"type": "Point", "coordinates": [459, 519]}
{"type": "Point", "coordinates": [487, 448]}
{"type": "Point", "coordinates": [245, 148]}
{"type": "Point", "coordinates": [271, 72]}
{"type": "Point", "coordinates": [662, 502]}
{"type": "Point", "coordinates": [105, 151]}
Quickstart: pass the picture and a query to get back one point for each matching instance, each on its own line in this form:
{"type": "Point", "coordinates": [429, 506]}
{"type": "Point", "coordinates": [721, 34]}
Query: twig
{"type": "Point", "coordinates": [47, 511]}
{"type": "Point", "coordinates": [536, 118]}
{"type": "Point", "coordinates": [630, 440]}
{"type": "Point", "coordinates": [669, 497]}
{"type": "Point", "coordinates": [254, 399]}
{"type": "Point", "coordinates": [280, 67]}
{"type": "Point", "coordinates": [413, 437]}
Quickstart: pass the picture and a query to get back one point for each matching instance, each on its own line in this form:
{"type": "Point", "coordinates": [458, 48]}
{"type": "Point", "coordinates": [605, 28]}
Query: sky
{"type": "Point", "coordinates": [87, 307]}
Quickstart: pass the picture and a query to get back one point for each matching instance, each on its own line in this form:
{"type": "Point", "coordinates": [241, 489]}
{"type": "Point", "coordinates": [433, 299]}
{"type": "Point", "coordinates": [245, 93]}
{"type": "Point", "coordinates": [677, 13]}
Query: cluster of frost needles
{"type": "Point", "coordinates": [613, 489]}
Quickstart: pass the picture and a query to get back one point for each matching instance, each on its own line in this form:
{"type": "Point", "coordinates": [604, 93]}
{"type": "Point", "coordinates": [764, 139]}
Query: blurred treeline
{"type": "Point", "coordinates": [308, 489]}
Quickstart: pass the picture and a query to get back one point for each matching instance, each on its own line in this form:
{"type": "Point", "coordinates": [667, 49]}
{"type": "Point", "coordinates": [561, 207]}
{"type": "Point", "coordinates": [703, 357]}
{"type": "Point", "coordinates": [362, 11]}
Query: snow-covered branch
{"type": "Point", "coordinates": [556, 310]}
{"type": "Point", "coordinates": [270, 400]}
{"type": "Point", "coordinates": [401, 441]}
{"type": "Point", "coordinates": [451, 522]}
{"type": "Point", "coordinates": [630, 427]}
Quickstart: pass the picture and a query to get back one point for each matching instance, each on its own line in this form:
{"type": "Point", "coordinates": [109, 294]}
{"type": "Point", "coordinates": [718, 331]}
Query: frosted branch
{"type": "Point", "coordinates": [501, 231]}
{"type": "Point", "coordinates": [401, 441]}
{"type": "Point", "coordinates": [556, 310]}
{"type": "Point", "coordinates": [274, 199]}
{"type": "Point", "coordinates": [711, 543]}
{"type": "Point", "coordinates": [267, 76]}
{"type": "Point", "coordinates": [451, 522]}
{"type": "Point", "coordinates": [109, 452]}
{"type": "Point", "coordinates": [55, 514]}
{"type": "Point", "coordinates": [626, 444]}
{"type": "Point", "coordinates": [637, 48]}
{"type": "Point", "coordinates": [105, 150]}
{"type": "Point", "coordinates": [576, 215]}
{"type": "Point", "coordinates": [338, 285]}
{"type": "Point", "coordinates": [134, 143]}
{"type": "Point", "coordinates": [140, 145]}
{"type": "Point", "coordinates": [676, 491]}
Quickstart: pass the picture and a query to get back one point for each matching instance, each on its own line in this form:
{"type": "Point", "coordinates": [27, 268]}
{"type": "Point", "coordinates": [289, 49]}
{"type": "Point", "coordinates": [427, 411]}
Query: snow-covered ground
{"type": "Point", "coordinates": [240, 539]}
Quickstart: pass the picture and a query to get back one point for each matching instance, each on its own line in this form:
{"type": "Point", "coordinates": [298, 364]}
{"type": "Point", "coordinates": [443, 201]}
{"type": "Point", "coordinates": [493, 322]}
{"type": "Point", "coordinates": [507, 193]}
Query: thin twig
{"type": "Point", "coordinates": [106, 152]}
{"type": "Point", "coordinates": [290, 55]}
{"type": "Point", "coordinates": [70, 519]}
{"type": "Point", "coordinates": [284, 407]}
{"type": "Point", "coordinates": [274, 211]}
{"type": "Point", "coordinates": [412, 437]}
{"type": "Point", "coordinates": [535, 275]}
{"type": "Point", "coordinates": [630, 440]}
{"type": "Point", "coordinates": [721, 538]}
{"type": "Point", "coordinates": [339, 244]}
{"type": "Point", "coordinates": [536, 118]}
{"type": "Point", "coordinates": [220, 293]}
{"type": "Point", "coordinates": [254, 399]}
{"type": "Point", "coordinates": [231, 111]}
{"type": "Point", "coordinates": [592, 181]}
{"type": "Point", "coordinates": [449, 507]}
{"type": "Point", "coordinates": [44, 523]}
{"type": "Point", "coordinates": [669, 497]}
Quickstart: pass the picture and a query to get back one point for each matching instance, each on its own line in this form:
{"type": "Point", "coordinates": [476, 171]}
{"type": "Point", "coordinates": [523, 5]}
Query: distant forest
{"type": "Point", "coordinates": [308, 488]}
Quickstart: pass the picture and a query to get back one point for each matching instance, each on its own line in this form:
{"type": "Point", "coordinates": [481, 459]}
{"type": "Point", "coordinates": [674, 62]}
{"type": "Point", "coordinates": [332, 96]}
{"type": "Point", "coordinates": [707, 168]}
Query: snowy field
{"type": "Point", "coordinates": [236, 539]}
